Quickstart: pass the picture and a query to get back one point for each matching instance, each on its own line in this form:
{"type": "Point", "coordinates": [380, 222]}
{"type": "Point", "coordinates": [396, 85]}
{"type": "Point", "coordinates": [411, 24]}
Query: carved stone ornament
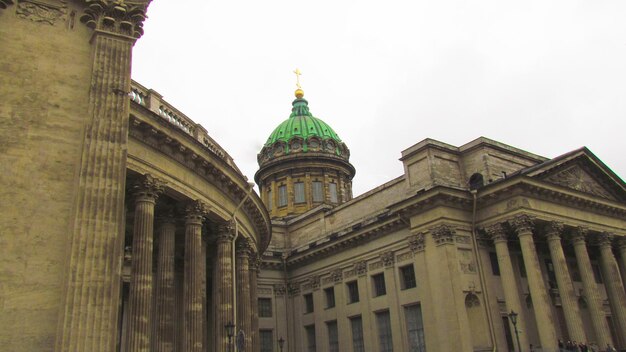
{"type": "Point", "coordinates": [336, 275]}
{"type": "Point", "coordinates": [314, 282]}
{"type": "Point", "coordinates": [43, 11]}
{"type": "Point", "coordinates": [387, 258]}
{"type": "Point", "coordinates": [621, 243]}
{"type": "Point", "coordinates": [5, 3]}
{"type": "Point", "coordinates": [604, 239]}
{"type": "Point", "coordinates": [243, 247]}
{"type": "Point", "coordinates": [115, 16]}
{"type": "Point", "coordinates": [579, 235]}
{"type": "Point", "coordinates": [225, 231]}
{"type": "Point", "coordinates": [523, 224]}
{"type": "Point", "coordinates": [577, 179]}
{"type": "Point", "coordinates": [443, 234]}
{"type": "Point", "coordinates": [147, 186]}
{"type": "Point", "coordinates": [293, 288]}
{"type": "Point", "coordinates": [416, 242]}
{"type": "Point", "coordinates": [360, 268]}
{"type": "Point", "coordinates": [554, 229]}
{"type": "Point", "coordinates": [496, 232]}
{"type": "Point", "coordinates": [279, 289]}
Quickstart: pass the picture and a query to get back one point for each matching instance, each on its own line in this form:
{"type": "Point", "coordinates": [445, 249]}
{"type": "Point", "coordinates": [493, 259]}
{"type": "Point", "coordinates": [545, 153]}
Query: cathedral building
{"type": "Point", "coordinates": [125, 226]}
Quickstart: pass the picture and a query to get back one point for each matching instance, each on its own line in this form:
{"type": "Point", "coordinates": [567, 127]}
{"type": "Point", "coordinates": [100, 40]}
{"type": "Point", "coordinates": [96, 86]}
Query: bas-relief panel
{"type": "Point", "coordinates": [466, 261]}
{"type": "Point", "coordinates": [42, 11]}
{"type": "Point", "coordinates": [577, 179]}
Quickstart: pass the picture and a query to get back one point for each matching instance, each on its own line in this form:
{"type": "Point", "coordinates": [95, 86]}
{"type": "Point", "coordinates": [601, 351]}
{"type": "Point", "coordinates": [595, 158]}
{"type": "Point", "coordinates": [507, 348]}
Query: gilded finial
{"type": "Point", "coordinates": [299, 91]}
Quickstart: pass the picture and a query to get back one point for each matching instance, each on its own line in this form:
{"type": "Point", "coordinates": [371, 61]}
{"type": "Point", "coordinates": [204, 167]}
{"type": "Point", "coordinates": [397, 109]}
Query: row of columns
{"type": "Point", "coordinates": [151, 328]}
{"type": "Point", "coordinates": [545, 322]}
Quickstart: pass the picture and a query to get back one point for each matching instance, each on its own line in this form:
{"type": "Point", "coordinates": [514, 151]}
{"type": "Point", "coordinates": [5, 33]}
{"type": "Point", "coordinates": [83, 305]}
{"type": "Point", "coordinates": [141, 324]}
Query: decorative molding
{"type": "Point", "coordinates": [279, 290]}
{"type": "Point", "coordinates": [360, 268]}
{"type": "Point", "coordinates": [115, 16]}
{"type": "Point", "coordinates": [522, 224]}
{"type": "Point", "coordinates": [387, 258]}
{"type": "Point", "coordinates": [314, 282]}
{"type": "Point", "coordinates": [293, 288]}
{"type": "Point", "coordinates": [404, 257]}
{"type": "Point", "coordinates": [496, 232]}
{"type": "Point", "coordinates": [443, 234]}
{"type": "Point", "coordinates": [604, 239]}
{"type": "Point", "coordinates": [577, 179]}
{"type": "Point", "coordinates": [463, 239]}
{"type": "Point", "coordinates": [417, 242]}
{"type": "Point", "coordinates": [376, 265]}
{"type": "Point", "coordinates": [336, 275]}
{"type": "Point", "coordinates": [264, 291]}
{"type": "Point", "coordinates": [349, 273]}
{"type": "Point", "coordinates": [243, 248]}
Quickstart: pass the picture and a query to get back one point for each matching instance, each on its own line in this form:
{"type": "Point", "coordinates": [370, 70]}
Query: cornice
{"type": "Point", "coordinates": [176, 146]}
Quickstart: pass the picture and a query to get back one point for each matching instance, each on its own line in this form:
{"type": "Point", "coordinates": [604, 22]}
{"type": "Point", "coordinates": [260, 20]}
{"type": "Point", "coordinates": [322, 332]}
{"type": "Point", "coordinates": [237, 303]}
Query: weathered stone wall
{"type": "Point", "coordinates": [45, 70]}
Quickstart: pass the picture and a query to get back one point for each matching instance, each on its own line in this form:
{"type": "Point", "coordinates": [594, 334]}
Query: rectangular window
{"type": "Point", "coordinates": [378, 281]}
{"type": "Point", "coordinates": [282, 196]}
{"type": "Point", "coordinates": [353, 292]}
{"type": "Point", "coordinates": [267, 340]}
{"type": "Point", "coordinates": [333, 336]}
{"type": "Point", "coordinates": [308, 303]}
{"type": "Point", "coordinates": [265, 307]}
{"type": "Point", "coordinates": [318, 191]}
{"type": "Point", "coordinates": [330, 297]}
{"type": "Point", "coordinates": [495, 266]}
{"type": "Point", "coordinates": [415, 328]}
{"type": "Point", "coordinates": [298, 189]}
{"type": "Point", "coordinates": [384, 331]}
{"type": "Point", "coordinates": [407, 277]}
{"type": "Point", "coordinates": [270, 201]}
{"type": "Point", "coordinates": [357, 334]}
{"type": "Point", "coordinates": [310, 338]}
{"type": "Point", "coordinates": [332, 188]}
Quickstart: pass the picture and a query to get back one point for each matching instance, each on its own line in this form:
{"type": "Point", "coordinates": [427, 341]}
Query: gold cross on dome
{"type": "Point", "coordinates": [298, 74]}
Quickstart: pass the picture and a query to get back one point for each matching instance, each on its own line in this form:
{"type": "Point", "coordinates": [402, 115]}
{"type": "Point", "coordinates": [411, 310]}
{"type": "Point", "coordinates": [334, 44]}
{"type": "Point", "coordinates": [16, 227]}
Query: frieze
{"type": "Point", "coordinates": [360, 268]}
{"type": "Point", "coordinates": [336, 275]}
{"type": "Point", "coordinates": [349, 273]}
{"type": "Point", "coordinates": [314, 282]}
{"type": "Point", "coordinates": [279, 290]}
{"type": "Point", "coordinates": [462, 239]}
{"type": "Point", "coordinates": [264, 291]}
{"type": "Point", "coordinates": [293, 288]}
{"type": "Point", "coordinates": [327, 280]}
{"type": "Point", "coordinates": [577, 179]}
{"type": "Point", "coordinates": [376, 265]}
{"type": "Point", "coordinates": [115, 16]}
{"type": "Point", "coordinates": [387, 258]}
{"type": "Point", "coordinates": [42, 11]}
{"type": "Point", "coordinates": [443, 234]}
{"type": "Point", "coordinates": [404, 257]}
{"type": "Point", "coordinates": [416, 242]}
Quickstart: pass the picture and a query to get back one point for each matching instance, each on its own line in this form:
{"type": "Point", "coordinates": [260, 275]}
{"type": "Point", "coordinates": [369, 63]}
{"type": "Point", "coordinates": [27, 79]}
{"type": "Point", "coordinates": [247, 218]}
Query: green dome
{"type": "Point", "coordinates": [301, 123]}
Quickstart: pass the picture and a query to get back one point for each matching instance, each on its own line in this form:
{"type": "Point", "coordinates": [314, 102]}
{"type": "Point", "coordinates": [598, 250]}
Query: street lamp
{"type": "Point", "coordinates": [513, 317]}
{"type": "Point", "coordinates": [230, 330]}
{"type": "Point", "coordinates": [281, 343]}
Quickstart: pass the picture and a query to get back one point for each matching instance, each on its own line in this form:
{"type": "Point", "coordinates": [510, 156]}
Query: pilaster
{"type": "Point", "coordinates": [598, 318]}
{"type": "Point", "coordinates": [193, 280]}
{"type": "Point", "coordinates": [564, 282]}
{"type": "Point", "coordinates": [541, 302]}
{"type": "Point", "coordinates": [614, 286]}
{"type": "Point", "coordinates": [507, 276]}
{"type": "Point", "coordinates": [89, 313]}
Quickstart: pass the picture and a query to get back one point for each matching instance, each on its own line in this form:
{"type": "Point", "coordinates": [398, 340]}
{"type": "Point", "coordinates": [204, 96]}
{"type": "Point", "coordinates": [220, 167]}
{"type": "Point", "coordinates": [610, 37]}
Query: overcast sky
{"type": "Point", "coordinates": [544, 76]}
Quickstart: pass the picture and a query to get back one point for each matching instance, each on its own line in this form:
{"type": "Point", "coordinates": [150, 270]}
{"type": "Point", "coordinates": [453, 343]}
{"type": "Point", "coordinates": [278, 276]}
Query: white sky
{"type": "Point", "coordinates": [545, 76]}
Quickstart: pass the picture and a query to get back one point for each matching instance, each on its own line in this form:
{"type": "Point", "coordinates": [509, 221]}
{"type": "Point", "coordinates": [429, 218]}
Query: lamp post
{"type": "Point", "coordinates": [230, 330]}
{"type": "Point", "coordinates": [513, 317]}
{"type": "Point", "coordinates": [281, 343]}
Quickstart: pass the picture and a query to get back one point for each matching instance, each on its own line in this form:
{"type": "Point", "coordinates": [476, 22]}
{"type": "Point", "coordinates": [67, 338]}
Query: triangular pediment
{"type": "Point", "coordinates": [577, 178]}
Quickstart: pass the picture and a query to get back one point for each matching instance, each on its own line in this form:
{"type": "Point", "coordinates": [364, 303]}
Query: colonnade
{"type": "Point", "coordinates": [525, 232]}
{"type": "Point", "coordinates": [152, 322]}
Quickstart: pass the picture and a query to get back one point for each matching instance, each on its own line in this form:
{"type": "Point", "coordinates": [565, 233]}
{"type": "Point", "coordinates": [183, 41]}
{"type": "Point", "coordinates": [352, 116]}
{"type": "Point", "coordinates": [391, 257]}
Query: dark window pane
{"type": "Point", "coordinates": [308, 303]}
{"type": "Point", "coordinates": [333, 336]}
{"type": "Point", "coordinates": [495, 266]}
{"type": "Point", "coordinates": [357, 334]}
{"type": "Point", "coordinates": [267, 340]}
{"type": "Point", "coordinates": [330, 297]}
{"type": "Point", "coordinates": [265, 307]}
{"type": "Point", "coordinates": [407, 274]}
{"type": "Point", "coordinates": [353, 292]}
{"type": "Point", "coordinates": [384, 331]}
{"type": "Point", "coordinates": [379, 285]}
{"type": "Point", "coordinates": [310, 337]}
{"type": "Point", "coordinates": [415, 328]}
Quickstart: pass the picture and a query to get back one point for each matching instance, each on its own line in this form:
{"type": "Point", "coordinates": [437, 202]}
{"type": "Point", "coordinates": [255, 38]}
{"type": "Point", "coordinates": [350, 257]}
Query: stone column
{"type": "Point", "coordinates": [146, 191]}
{"type": "Point", "coordinates": [566, 288]}
{"type": "Point", "coordinates": [89, 309]}
{"type": "Point", "coordinates": [255, 263]}
{"type": "Point", "coordinates": [193, 281]}
{"type": "Point", "coordinates": [164, 304]}
{"type": "Point", "coordinates": [598, 317]}
{"type": "Point", "coordinates": [541, 301]}
{"type": "Point", "coordinates": [621, 244]}
{"type": "Point", "coordinates": [223, 285]}
{"type": "Point", "coordinates": [614, 287]}
{"type": "Point", "coordinates": [244, 319]}
{"type": "Point", "coordinates": [509, 284]}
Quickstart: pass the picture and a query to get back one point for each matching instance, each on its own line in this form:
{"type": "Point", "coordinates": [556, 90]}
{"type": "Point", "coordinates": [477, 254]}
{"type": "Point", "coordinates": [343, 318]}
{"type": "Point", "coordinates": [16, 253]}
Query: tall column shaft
{"type": "Point", "coordinates": [614, 288]}
{"type": "Point", "coordinates": [223, 286]}
{"type": "Point", "coordinates": [89, 310]}
{"type": "Point", "coordinates": [622, 253]}
{"type": "Point", "coordinates": [566, 288]}
{"type": "Point", "coordinates": [598, 317]}
{"type": "Point", "coordinates": [140, 294]}
{"type": "Point", "coordinates": [164, 306]}
{"type": "Point", "coordinates": [254, 301]}
{"type": "Point", "coordinates": [193, 277]}
{"type": "Point", "coordinates": [244, 314]}
{"type": "Point", "coordinates": [541, 302]}
{"type": "Point", "coordinates": [509, 285]}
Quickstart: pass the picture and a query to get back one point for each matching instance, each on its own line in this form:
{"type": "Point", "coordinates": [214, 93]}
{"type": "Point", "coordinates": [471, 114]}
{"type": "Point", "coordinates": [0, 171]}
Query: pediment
{"type": "Point", "coordinates": [577, 178]}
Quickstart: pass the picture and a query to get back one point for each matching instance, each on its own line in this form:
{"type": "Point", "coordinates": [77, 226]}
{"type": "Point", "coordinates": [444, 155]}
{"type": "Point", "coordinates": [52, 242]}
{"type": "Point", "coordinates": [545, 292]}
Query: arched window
{"type": "Point", "coordinates": [476, 181]}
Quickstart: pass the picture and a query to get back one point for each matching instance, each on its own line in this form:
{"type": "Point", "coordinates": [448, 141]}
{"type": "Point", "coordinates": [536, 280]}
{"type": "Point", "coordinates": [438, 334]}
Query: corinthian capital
{"type": "Point", "coordinates": [443, 234]}
{"type": "Point", "coordinates": [604, 239]}
{"type": "Point", "coordinates": [147, 187]}
{"type": "Point", "coordinates": [496, 232]}
{"type": "Point", "coordinates": [195, 211]}
{"type": "Point", "coordinates": [243, 248]}
{"type": "Point", "coordinates": [579, 235]}
{"type": "Point", "coordinates": [554, 229]}
{"type": "Point", "coordinates": [115, 16]}
{"type": "Point", "coordinates": [225, 232]}
{"type": "Point", "coordinates": [523, 224]}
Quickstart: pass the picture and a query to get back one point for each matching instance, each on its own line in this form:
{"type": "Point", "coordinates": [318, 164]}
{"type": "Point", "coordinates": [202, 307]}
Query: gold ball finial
{"type": "Point", "coordinates": [299, 93]}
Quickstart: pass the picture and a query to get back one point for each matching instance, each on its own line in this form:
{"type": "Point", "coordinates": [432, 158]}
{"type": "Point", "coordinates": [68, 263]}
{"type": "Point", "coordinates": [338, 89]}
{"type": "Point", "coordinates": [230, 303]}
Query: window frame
{"type": "Point", "coordinates": [353, 291]}
{"type": "Point", "coordinates": [379, 285]}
